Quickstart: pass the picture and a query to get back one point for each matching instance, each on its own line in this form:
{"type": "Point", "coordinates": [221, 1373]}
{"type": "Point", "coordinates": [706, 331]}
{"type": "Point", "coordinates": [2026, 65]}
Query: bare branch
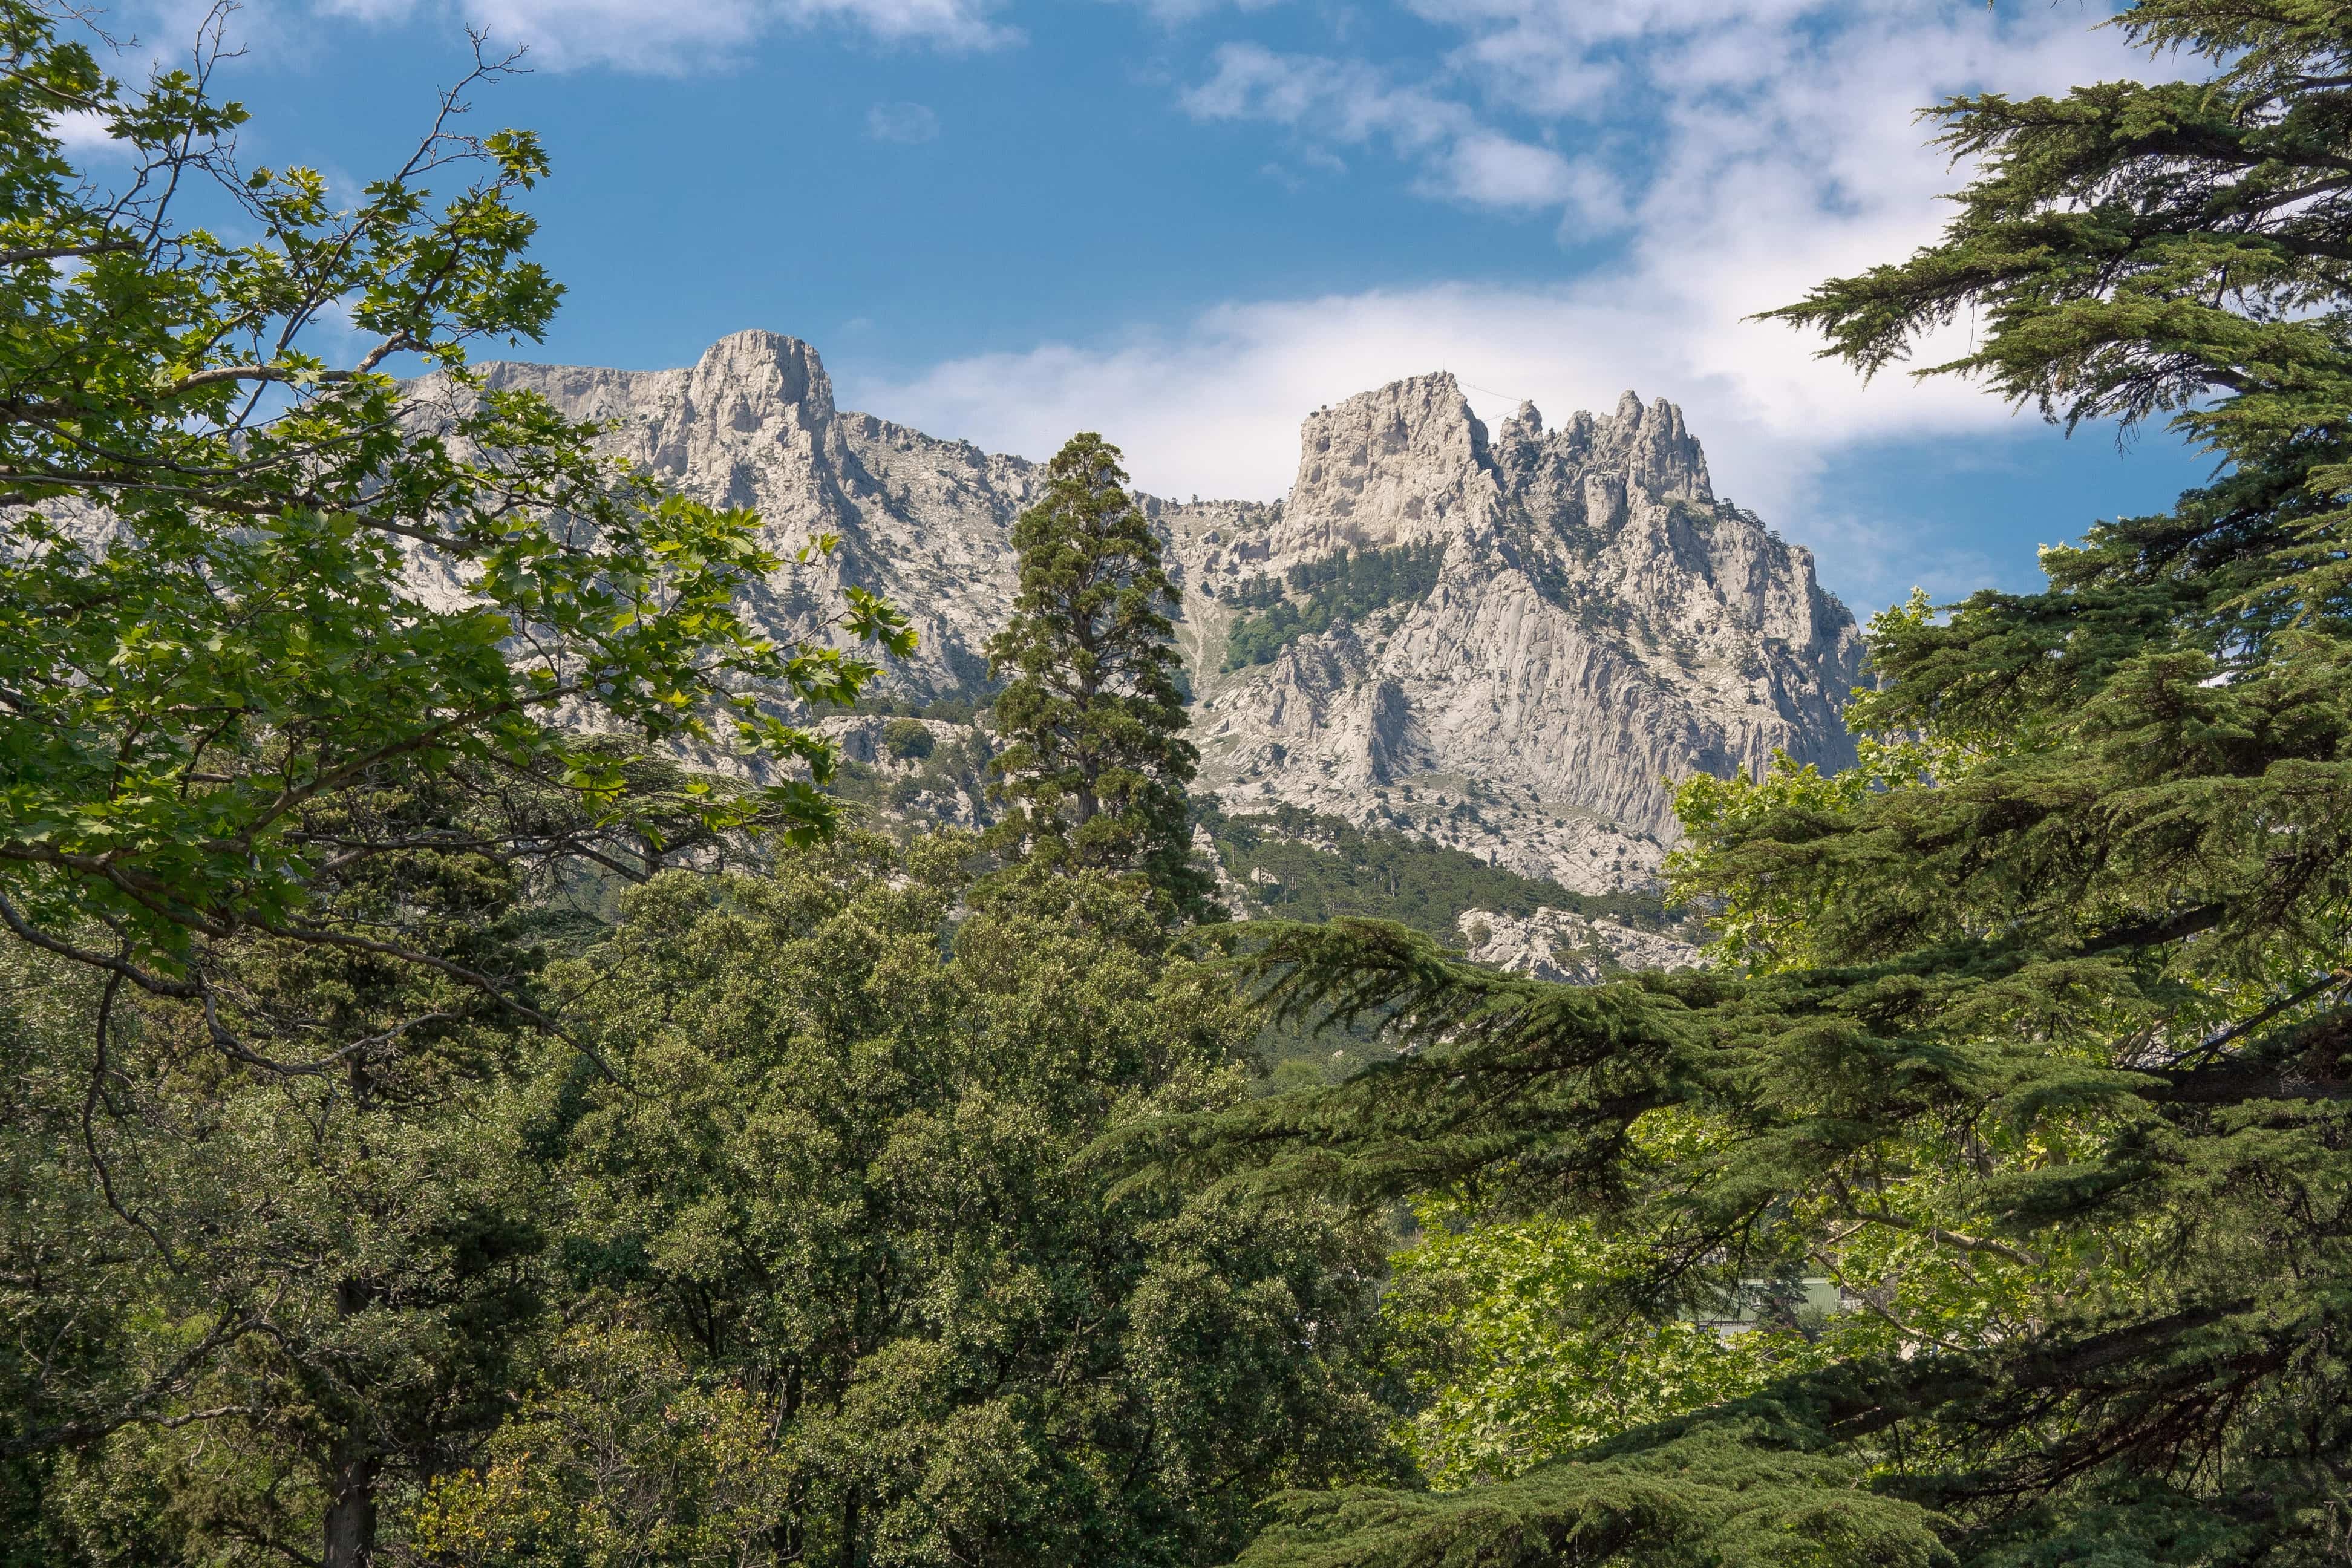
{"type": "Point", "coordinates": [63, 252]}
{"type": "Point", "coordinates": [1965, 1243]}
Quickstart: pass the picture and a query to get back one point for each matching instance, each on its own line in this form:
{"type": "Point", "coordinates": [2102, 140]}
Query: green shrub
{"type": "Point", "coordinates": [1338, 587]}
{"type": "Point", "coordinates": [906, 738]}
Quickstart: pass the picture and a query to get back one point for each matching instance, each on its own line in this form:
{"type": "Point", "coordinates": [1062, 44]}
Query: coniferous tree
{"type": "Point", "coordinates": [1096, 762]}
{"type": "Point", "coordinates": [2035, 1029]}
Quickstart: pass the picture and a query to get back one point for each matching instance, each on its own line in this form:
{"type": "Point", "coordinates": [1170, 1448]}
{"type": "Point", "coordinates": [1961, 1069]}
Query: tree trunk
{"type": "Point", "coordinates": [350, 1508]}
{"type": "Point", "coordinates": [852, 1524]}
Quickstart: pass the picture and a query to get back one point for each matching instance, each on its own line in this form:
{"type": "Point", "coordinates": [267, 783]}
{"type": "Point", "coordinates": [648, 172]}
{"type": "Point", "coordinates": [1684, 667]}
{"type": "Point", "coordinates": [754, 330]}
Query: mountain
{"type": "Point", "coordinates": [1501, 644]}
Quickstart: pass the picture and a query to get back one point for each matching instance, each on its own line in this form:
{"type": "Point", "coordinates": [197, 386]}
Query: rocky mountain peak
{"type": "Point", "coordinates": [1648, 443]}
{"type": "Point", "coordinates": [1480, 624]}
{"type": "Point", "coordinates": [1657, 449]}
{"type": "Point", "coordinates": [1499, 645]}
{"type": "Point", "coordinates": [750, 380]}
{"type": "Point", "coordinates": [1403, 463]}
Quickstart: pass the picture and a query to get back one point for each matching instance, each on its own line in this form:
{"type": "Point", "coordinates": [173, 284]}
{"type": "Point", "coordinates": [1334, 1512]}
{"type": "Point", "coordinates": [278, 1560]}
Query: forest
{"type": "Point", "coordinates": [441, 1128]}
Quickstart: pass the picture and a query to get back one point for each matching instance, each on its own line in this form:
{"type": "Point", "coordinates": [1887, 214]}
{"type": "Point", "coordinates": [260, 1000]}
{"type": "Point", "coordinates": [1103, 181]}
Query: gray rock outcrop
{"type": "Point", "coordinates": [1561, 945]}
{"type": "Point", "coordinates": [1596, 623]}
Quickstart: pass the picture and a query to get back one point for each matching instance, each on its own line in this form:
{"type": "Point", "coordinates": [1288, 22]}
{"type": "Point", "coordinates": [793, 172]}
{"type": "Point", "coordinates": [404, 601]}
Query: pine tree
{"type": "Point", "coordinates": [2041, 1021]}
{"type": "Point", "coordinates": [1094, 771]}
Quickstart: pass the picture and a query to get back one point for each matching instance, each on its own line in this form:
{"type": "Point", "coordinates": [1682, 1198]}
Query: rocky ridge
{"type": "Point", "coordinates": [1594, 621]}
{"type": "Point", "coordinates": [1565, 946]}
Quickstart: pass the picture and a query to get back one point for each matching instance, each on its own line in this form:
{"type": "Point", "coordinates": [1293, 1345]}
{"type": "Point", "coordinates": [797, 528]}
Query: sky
{"type": "Point", "coordinates": [1188, 223]}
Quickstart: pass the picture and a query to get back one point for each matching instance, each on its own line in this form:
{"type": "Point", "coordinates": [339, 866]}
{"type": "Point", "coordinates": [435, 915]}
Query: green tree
{"type": "Point", "coordinates": [837, 1182]}
{"type": "Point", "coordinates": [287, 1284]}
{"type": "Point", "coordinates": [907, 738]}
{"type": "Point", "coordinates": [2042, 1032]}
{"type": "Point", "coordinates": [1094, 761]}
{"type": "Point", "coordinates": [216, 607]}
{"type": "Point", "coordinates": [624, 1456]}
{"type": "Point", "coordinates": [299, 665]}
{"type": "Point", "coordinates": [1518, 1345]}
{"type": "Point", "coordinates": [1345, 587]}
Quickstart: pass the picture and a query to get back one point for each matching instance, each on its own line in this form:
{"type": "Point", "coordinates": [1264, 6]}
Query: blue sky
{"type": "Point", "coordinates": [1186, 223]}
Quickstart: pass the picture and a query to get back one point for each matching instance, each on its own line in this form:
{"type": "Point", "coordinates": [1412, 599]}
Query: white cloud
{"type": "Point", "coordinates": [1353, 103]}
{"type": "Point", "coordinates": [83, 133]}
{"type": "Point", "coordinates": [1213, 409]}
{"type": "Point", "coordinates": [670, 36]}
{"type": "Point", "coordinates": [1570, 57]}
{"type": "Point", "coordinates": [906, 123]}
{"type": "Point", "coordinates": [1773, 144]}
{"type": "Point", "coordinates": [1494, 171]}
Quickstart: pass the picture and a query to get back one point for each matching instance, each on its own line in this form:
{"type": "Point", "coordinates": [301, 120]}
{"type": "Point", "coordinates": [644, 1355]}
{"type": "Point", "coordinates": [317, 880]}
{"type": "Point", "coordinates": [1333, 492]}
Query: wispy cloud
{"type": "Point", "coordinates": [1735, 152]}
{"type": "Point", "coordinates": [1353, 103]}
{"type": "Point", "coordinates": [671, 36]}
{"type": "Point", "coordinates": [908, 123]}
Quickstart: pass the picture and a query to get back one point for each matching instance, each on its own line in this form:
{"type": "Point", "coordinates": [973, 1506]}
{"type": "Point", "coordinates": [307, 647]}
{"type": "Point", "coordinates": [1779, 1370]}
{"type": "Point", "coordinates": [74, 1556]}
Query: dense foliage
{"type": "Point", "coordinates": [1514, 1356]}
{"type": "Point", "coordinates": [303, 669]}
{"type": "Point", "coordinates": [242, 1301]}
{"type": "Point", "coordinates": [1321, 866]}
{"type": "Point", "coordinates": [800, 1266]}
{"type": "Point", "coordinates": [1343, 587]}
{"type": "Point", "coordinates": [2038, 1038]}
{"type": "Point", "coordinates": [213, 644]}
{"type": "Point", "coordinates": [837, 1187]}
{"type": "Point", "coordinates": [381, 1183]}
{"type": "Point", "coordinates": [1094, 764]}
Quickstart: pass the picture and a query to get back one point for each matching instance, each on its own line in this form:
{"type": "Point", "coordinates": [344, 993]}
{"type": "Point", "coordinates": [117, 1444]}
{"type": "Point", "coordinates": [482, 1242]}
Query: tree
{"type": "Point", "coordinates": [1095, 764]}
{"type": "Point", "coordinates": [324, 691]}
{"type": "Point", "coordinates": [239, 581]}
{"type": "Point", "coordinates": [283, 1292]}
{"type": "Point", "coordinates": [837, 1188]}
{"type": "Point", "coordinates": [1517, 1345]}
{"type": "Point", "coordinates": [2040, 1030]}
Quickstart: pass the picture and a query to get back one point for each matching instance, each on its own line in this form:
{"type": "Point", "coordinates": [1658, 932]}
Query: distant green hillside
{"type": "Point", "coordinates": [1389, 876]}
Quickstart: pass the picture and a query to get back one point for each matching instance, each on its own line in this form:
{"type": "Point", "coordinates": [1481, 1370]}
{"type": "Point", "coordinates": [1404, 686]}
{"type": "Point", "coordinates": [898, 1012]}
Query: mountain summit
{"type": "Point", "coordinates": [1503, 643]}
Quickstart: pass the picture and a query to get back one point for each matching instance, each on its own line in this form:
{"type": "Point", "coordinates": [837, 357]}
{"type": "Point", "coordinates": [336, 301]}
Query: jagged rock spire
{"type": "Point", "coordinates": [1596, 622]}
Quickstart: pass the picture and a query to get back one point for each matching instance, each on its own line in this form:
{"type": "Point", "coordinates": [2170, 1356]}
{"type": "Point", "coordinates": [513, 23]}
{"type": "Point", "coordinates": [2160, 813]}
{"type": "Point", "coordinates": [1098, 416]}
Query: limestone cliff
{"type": "Point", "coordinates": [1560, 944]}
{"type": "Point", "coordinates": [1583, 619]}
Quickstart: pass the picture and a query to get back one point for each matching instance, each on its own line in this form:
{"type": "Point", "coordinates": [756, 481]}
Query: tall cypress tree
{"type": "Point", "coordinates": [1094, 771]}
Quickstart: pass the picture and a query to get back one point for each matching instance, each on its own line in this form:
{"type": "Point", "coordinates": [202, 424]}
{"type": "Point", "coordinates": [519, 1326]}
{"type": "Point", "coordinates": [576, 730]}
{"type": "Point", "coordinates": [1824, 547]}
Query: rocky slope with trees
{"type": "Point", "coordinates": [1505, 643]}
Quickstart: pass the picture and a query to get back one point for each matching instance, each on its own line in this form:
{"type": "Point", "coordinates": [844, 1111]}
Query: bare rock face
{"type": "Point", "coordinates": [1563, 946]}
{"type": "Point", "coordinates": [1594, 622]}
{"type": "Point", "coordinates": [1600, 624]}
{"type": "Point", "coordinates": [753, 424]}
